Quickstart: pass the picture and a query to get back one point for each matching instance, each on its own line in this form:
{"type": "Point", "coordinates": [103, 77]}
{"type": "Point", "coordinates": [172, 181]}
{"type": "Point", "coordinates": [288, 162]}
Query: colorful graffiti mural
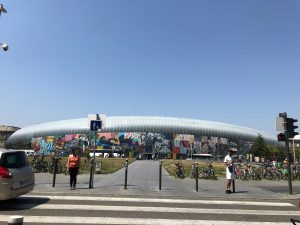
{"type": "Point", "coordinates": [141, 142]}
{"type": "Point", "coordinates": [47, 145]}
{"type": "Point", "coordinates": [138, 143]}
{"type": "Point", "coordinates": [183, 143]}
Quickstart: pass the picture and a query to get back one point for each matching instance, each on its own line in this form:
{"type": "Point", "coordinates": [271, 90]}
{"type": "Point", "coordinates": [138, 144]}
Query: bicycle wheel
{"type": "Point", "coordinates": [45, 167]}
{"type": "Point", "coordinates": [176, 173]}
{"type": "Point", "coordinates": [51, 167]}
{"type": "Point", "coordinates": [268, 175]}
{"type": "Point", "coordinates": [203, 175]}
{"type": "Point", "coordinates": [181, 170]}
{"type": "Point", "coordinates": [36, 167]}
{"type": "Point", "coordinates": [58, 167]}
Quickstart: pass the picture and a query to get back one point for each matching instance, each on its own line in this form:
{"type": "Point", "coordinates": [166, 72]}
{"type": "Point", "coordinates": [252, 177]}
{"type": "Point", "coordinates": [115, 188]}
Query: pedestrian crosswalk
{"type": "Point", "coordinates": [130, 210]}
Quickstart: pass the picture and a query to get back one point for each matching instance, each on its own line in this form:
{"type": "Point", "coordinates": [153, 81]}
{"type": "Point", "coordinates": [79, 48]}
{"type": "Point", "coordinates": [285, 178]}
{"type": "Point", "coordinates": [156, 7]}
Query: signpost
{"type": "Point", "coordinates": [95, 125]}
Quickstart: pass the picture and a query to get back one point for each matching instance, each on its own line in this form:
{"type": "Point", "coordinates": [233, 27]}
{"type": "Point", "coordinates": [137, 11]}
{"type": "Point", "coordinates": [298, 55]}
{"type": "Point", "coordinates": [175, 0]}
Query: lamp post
{"type": "Point", "coordinates": [2, 9]}
{"type": "Point", "coordinates": [4, 46]}
{"type": "Point", "coordinates": [296, 137]}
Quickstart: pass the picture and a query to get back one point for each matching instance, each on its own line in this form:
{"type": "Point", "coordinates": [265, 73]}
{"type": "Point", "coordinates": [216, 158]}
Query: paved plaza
{"type": "Point", "coordinates": [143, 180]}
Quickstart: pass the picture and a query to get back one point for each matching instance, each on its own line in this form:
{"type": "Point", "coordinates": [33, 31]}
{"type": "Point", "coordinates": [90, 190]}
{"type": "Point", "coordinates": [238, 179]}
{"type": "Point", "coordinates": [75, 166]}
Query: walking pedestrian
{"type": "Point", "coordinates": [73, 165]}
{"type": "Point", "coordinates": [229, 171]}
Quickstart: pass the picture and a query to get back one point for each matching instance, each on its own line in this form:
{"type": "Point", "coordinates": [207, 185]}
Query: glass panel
{"type": "Point", "coordinates": [14, 160]}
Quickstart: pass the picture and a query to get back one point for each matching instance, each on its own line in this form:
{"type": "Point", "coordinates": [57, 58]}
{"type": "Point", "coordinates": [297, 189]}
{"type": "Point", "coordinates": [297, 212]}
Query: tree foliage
{"type": "Point", "coordinates": [259, 148]}
{"type": "Point", "coordinates": [273, 150]}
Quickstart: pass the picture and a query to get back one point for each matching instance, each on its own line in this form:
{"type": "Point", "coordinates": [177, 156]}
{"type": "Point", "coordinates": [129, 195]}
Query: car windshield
{"type": "Point", "coordinates": [13, 160]}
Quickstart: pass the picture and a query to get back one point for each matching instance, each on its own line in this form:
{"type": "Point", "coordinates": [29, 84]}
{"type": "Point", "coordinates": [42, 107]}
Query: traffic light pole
{"type": "Point", "coordinates": [287, 131]}
{"type": "Point", "coordinates": [288, 155]}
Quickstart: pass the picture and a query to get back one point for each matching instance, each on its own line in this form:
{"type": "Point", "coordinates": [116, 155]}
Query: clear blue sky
{"type": "Point", "coordinates": [236, 62]}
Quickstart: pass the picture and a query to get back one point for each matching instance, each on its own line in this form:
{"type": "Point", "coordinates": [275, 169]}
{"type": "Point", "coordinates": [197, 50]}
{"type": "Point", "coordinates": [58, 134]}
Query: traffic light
{"type": "Point", "coordinates": [291, 127]}
{"type": "Point", "coordinates": [281, 137]}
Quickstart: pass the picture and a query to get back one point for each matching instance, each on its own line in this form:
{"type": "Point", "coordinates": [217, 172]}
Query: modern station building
{"type": "Point", "coordinates": [163, 137]}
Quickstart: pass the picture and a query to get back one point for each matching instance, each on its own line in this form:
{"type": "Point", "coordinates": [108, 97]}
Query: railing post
{"type": "Point", "coordinates": [91, 182]}
{"type": "Point", "coordinates": [233, 178]}
{"type": "Point", "coordinates": [160, 170]}
{"type": "Point", "coordinates": [197, 175]}
{"type": "Point", "coordinates": [126, 173]}
{"type": "Point", "coordinates": [54, 171]}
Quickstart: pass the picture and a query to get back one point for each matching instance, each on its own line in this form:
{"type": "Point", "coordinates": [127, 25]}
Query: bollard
{"type": "Point", "coordinates": [15, 220]}
{"type": "Point", "coordinates": [54, 171]}
{"type": "Point", "coordinates": [91, 183]}
{"type": "Point", "coordinates": [233, 178]}
{"type": "Point", "coordinates": [126, 172]}
{"type": "Point", "coordinates": [160, 168]}
{"type": "Point", "coordinates": [197, 175]}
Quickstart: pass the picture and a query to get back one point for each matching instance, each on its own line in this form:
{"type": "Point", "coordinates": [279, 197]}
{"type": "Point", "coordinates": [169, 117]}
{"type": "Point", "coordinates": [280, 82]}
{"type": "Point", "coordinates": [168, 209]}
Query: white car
{"type": "Point", "coordinates": [16, 176]}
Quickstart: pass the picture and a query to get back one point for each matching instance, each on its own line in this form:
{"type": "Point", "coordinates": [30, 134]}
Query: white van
{"type": "Point", "coordinates": [29, 152]}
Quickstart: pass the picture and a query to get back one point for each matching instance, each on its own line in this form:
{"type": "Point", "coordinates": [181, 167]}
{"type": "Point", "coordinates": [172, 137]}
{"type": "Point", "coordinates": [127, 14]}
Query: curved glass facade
{"type": "Point", "coordinates": [144, 134]}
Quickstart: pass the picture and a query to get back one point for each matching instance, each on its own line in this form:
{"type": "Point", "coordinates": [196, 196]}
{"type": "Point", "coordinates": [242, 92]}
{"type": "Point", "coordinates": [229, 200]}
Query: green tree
{"type": "Point", "coordinates": [259, 148]}
{"type": "Point", "coordinates": [273, 150]}
{"type": "Point", "coordinates": [276, 151]}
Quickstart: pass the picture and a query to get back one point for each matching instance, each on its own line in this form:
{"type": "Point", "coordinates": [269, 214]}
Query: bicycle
{"type": "Point", "coordinates": [193, 171]}
{"type": "Point", "coordinates": [59, 168]}
{"type": "Point", "coordinates": [240, 172]}
{"type": "Point", "coordinates": [39, 165]}
{"type": "Point", "coordinates": [179, 171]}
{"type": "Point", "coordinates": [208, 173]}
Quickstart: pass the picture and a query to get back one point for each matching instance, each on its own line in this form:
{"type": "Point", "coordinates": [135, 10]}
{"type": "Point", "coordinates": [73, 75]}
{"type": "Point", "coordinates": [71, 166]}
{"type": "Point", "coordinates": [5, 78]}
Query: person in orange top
{"type": "Point", "coordinates": [73, 165]}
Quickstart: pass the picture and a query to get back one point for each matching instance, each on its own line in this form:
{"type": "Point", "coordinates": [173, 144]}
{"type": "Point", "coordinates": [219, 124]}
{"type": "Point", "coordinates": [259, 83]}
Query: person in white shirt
{"type": "Point", "coordinates": [229, 171]}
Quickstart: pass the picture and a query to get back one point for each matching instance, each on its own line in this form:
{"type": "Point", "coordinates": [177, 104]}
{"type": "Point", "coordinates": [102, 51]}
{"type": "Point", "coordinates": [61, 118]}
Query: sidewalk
{"type": "Point", "coordinates": [143, 180]}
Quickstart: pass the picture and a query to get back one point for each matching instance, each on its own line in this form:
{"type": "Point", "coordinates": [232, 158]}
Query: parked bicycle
{"type": "Point", "coordinates": [39, 164]}
{"type": "Point", "coordinates": [296, 172]}
{"type": "Point", "coordinates": [59, 168]}
{"type": "Point", "coordinates": [247, 172]}
{"type": "Point", "coordinates": [208, 173]}
{"type": "Point", "coordinates": [194, 171]}
{"type": "Point", "coordinates": [179, 170]}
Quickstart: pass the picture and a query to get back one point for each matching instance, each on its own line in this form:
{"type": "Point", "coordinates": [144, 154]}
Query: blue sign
{"type": "Point", "coordinates": [96, 125]}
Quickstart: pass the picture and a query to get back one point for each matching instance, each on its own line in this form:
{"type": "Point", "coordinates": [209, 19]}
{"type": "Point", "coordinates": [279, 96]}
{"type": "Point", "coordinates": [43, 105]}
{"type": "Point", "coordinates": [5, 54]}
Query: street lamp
{"type": "Point", "coordinates": [4, 46]}
{"type": "Point", "coordinates": [296, 137]}
{"type": "Point", "coordinates": [2, 9]}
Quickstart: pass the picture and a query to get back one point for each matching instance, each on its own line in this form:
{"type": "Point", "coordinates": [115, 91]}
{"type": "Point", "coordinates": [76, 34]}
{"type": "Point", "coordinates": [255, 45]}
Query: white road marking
{"type": "Point", "coordinates": [155, 209]}
{"type": "Point", "coordinates": [130, 221]}
{"type": "Point", "coordinates": [153, 200]}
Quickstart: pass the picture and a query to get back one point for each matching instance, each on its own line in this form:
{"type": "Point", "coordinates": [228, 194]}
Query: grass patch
{"type": "Point", "coordinates": [112, 165]}
{"type": "Point", "coordinates": [108, 165]}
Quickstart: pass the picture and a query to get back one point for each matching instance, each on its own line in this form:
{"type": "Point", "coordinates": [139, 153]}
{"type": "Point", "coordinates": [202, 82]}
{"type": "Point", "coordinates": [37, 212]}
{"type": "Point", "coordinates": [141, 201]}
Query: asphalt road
{"type": "Point", "coordinates": [255, 202]}
{"type": "Point", "coordinates": [110, 210]}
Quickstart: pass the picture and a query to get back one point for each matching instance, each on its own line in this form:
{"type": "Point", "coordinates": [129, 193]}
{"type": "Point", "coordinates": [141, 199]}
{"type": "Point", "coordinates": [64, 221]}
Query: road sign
{"type": "Point", "coordinates": [280, 124]}
{"type": "Point", "coordinates": [95, 125]}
